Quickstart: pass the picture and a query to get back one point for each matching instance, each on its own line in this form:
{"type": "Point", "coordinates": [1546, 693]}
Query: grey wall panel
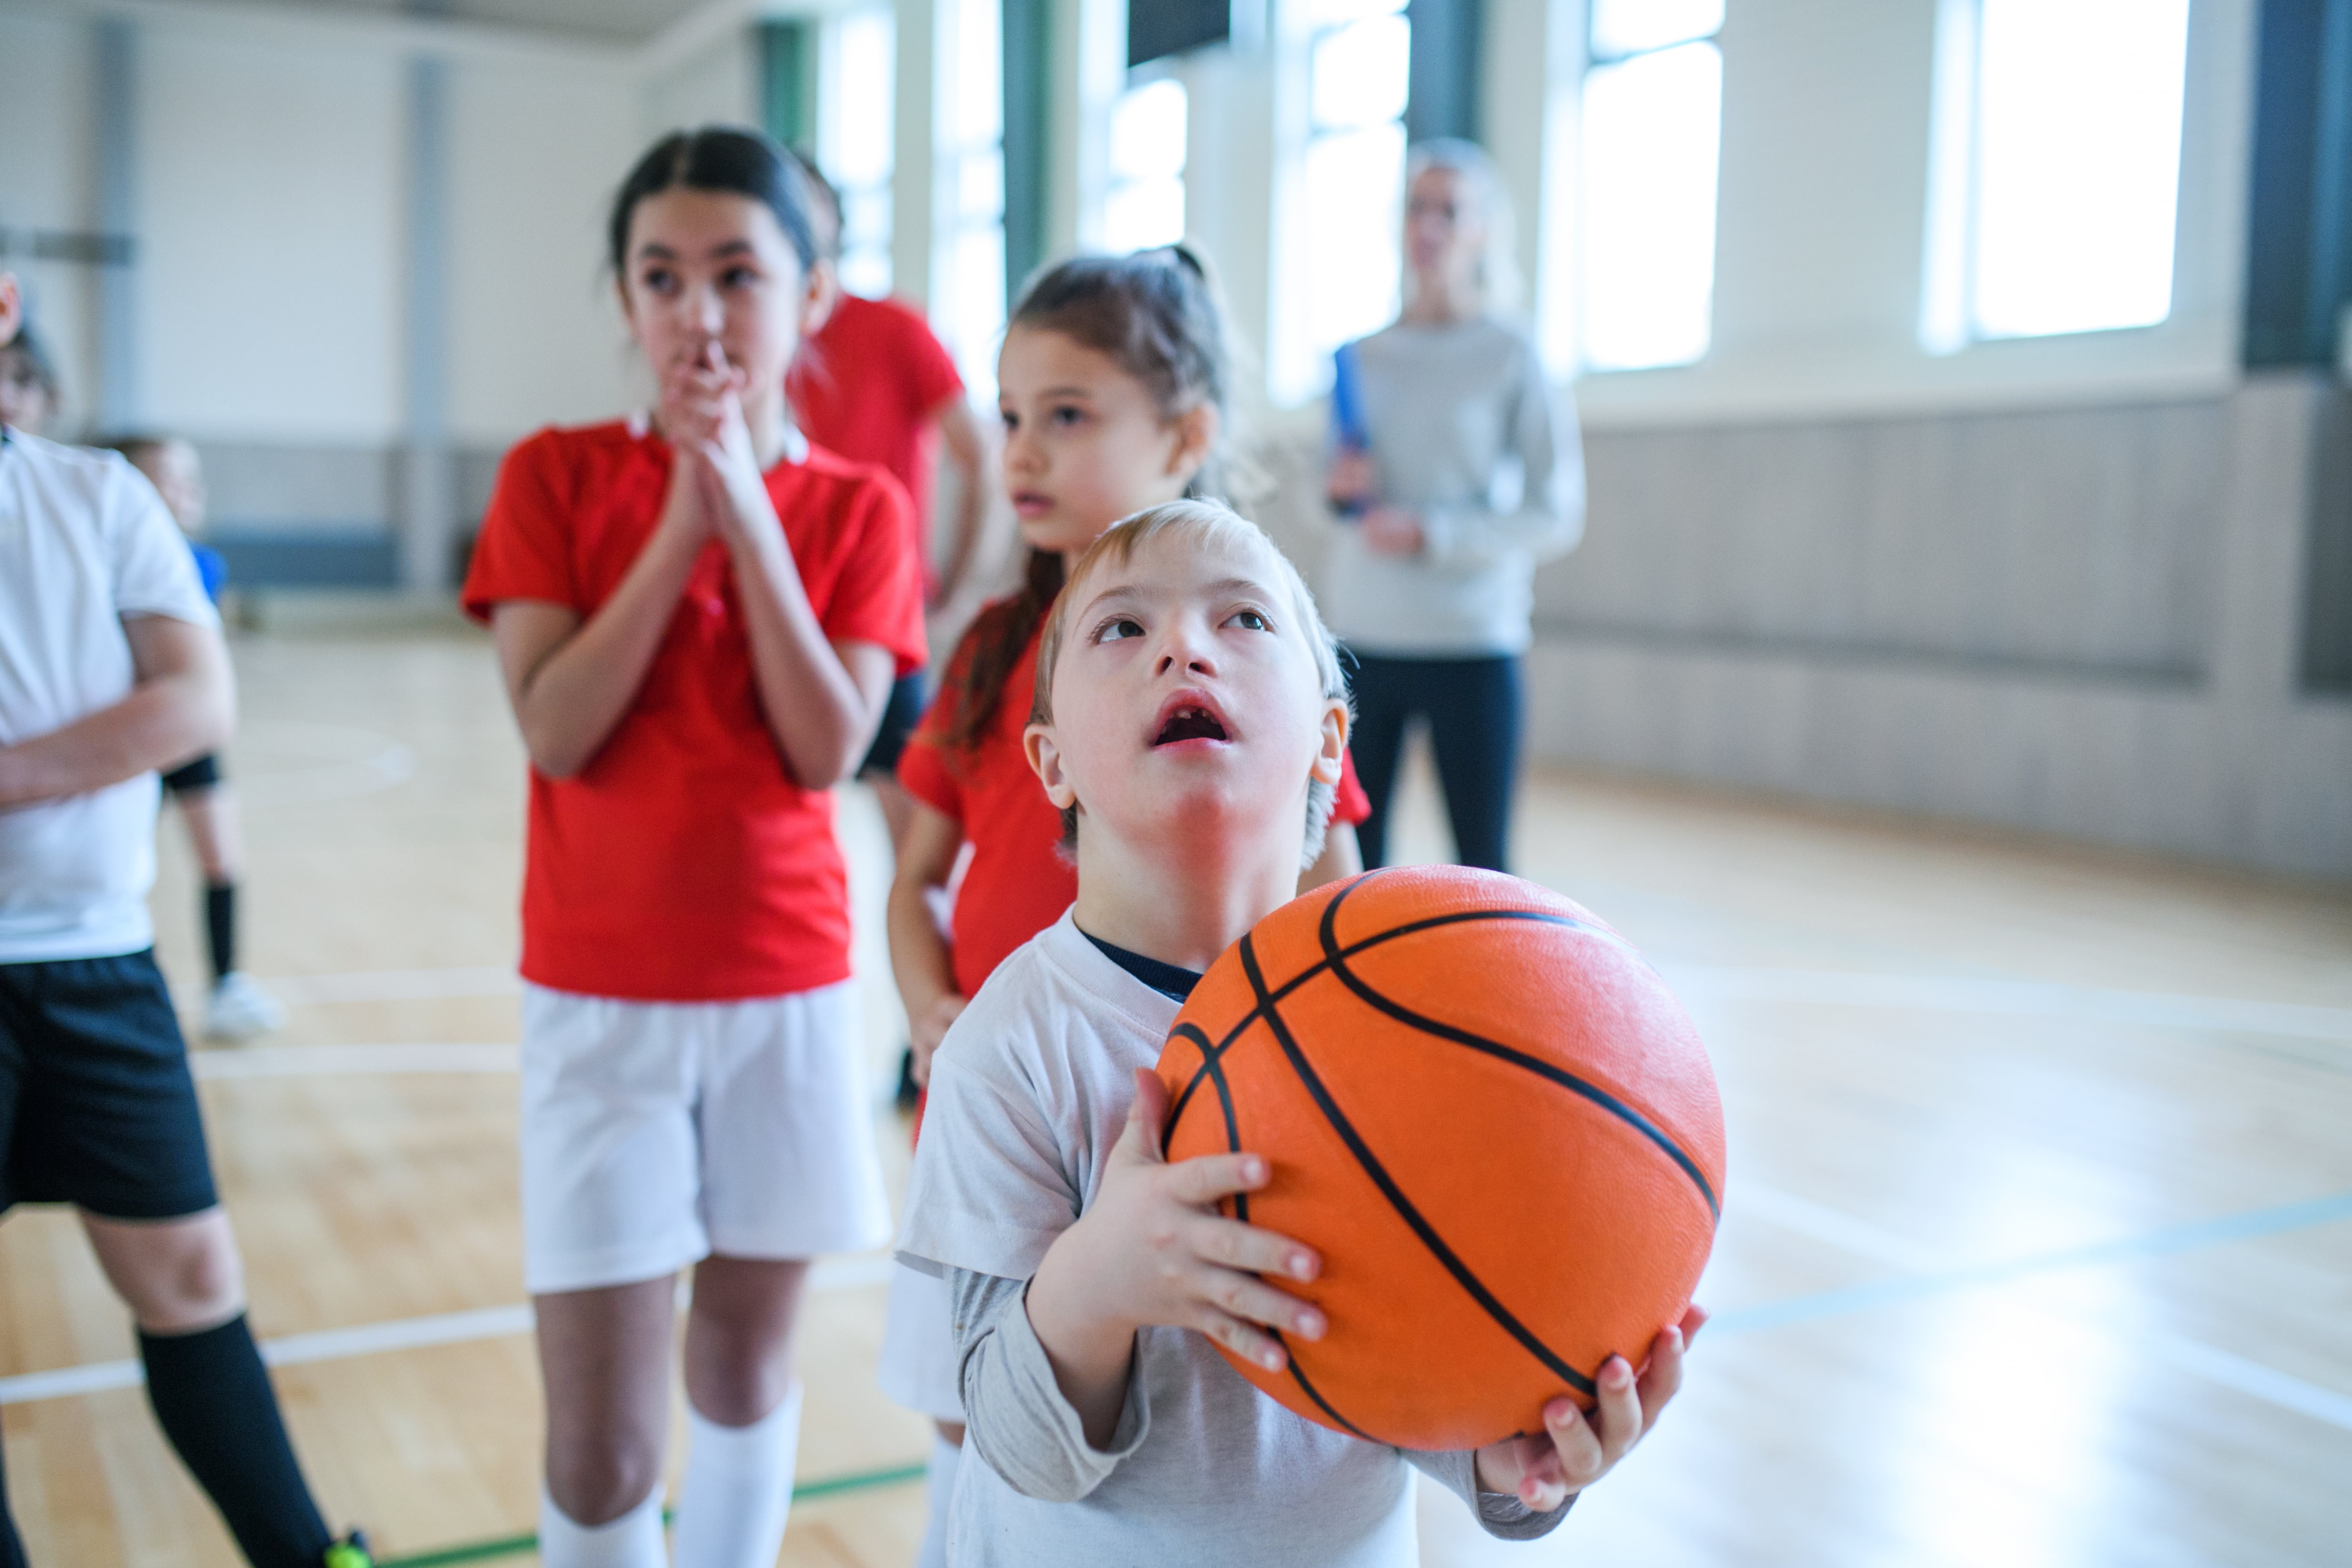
{"type": "Point", "coordinates": [2151, 768]}
{"type": "Point", "coordinates": [2327, 560]}
{"type": "Point", "coordinates": [278, 486]}
{"type": "Point", "coordinates": [2075, 538]}
{"type": "Point", "coordinates": [477, 471]}
{"type": "Point", "coordinates": [273, 489]}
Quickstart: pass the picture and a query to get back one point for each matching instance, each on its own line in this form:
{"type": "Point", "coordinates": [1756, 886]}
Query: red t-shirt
{"type": "Point", "coordinates": [1017, 883]}
{"type": "Point", "coordinates": [864, 386]}
{"type": "Point", "coordinates": [682, 863]}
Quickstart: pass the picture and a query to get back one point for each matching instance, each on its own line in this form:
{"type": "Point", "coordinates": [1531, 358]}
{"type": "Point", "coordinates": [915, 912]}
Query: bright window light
{"type": "Point", "coordinates": [1359, 73]}
{"type": "Point", "coordinates": [1341, 257]}
{"type": "Point", "coordinates": [2078, 164]}
{"type": "Point", "coordinates": [968, 302]}
{"type": "Point", "coordinates": [855, 144]}
{"type": "Point", "coordinates": [1652, 133]}
{"type": "Point", "coordinates": [1145, 205]}
{"type": "Point", "coordinates": [1621, 27]}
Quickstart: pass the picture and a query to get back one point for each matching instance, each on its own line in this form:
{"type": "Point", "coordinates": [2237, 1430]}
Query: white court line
{"type": "Point", "coordinates": [1860, 1236]}
{"type": "Point", "coordinates": [1731, 983]}
{"type": "Point", "coordinates": [396, 1334]}
{"type": "Point", "coordinates": [326, 1061]}
{"type": "Point", "coordinates": [357, 761]}
{"type": "Point", "coordinates": [1956, 994]}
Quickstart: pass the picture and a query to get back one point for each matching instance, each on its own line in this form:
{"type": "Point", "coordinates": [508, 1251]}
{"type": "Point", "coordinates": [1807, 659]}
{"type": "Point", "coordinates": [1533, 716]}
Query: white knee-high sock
{"type": "Point", "coordinates": [737, 1488]}
{"type": "Point", "coordinates": [938, 1490]}
{"type": "Point", "coordinates": [632, 1541]}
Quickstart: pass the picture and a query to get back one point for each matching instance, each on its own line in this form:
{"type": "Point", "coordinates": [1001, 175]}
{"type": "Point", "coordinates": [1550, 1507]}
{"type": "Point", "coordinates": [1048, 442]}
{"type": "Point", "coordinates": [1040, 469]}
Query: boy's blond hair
{"type": "Point", "coordinates": [1198, 524]}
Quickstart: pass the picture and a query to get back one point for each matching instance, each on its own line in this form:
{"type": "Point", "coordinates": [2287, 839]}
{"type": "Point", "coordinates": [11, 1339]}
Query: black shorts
{"type": "Point", "coordinates": [202, 773]}
{"type": "Point", "coordinates": [899, 716]}
{"type": "Point", "coordinates": [96, 1108]}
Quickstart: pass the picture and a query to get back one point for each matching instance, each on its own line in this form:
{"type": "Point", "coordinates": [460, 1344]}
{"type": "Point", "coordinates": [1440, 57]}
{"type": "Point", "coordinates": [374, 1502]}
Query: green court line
{"type": "Point", "coordinates": [515, 1545]}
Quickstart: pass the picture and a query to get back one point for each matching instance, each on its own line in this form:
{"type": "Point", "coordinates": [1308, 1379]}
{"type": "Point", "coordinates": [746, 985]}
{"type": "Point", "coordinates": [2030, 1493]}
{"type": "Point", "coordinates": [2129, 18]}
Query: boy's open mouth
{"type": "Point", "coordinates": [1190, 721]}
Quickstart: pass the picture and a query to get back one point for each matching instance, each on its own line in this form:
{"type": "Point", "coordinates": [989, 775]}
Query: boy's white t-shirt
{"type": "Point", "coordinates": [84, 543]}
{"type": "Point", "coordinates": [1028, 1095]}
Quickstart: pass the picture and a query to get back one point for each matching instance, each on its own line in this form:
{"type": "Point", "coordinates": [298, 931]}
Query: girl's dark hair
{"type": "Point", "coordinates": [1155, 313]}
{"type": "Point", "coordinates": [718, 158]}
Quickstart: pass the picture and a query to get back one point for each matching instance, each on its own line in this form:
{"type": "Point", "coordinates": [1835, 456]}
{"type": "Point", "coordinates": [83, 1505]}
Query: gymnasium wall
{"type": "Point", "coordinates": [271, 159]}
{"type": "Point", "coordinates": [2098, 586]}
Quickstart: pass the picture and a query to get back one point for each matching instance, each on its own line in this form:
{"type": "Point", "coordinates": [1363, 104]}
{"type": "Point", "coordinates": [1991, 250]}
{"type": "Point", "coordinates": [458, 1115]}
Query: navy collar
{"type": "Point", "coordinates": [1171, 981]}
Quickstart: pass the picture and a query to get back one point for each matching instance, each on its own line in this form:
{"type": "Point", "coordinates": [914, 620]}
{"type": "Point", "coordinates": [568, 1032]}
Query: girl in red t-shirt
{"type": "Point", "coordinates": [1112, 386]}
{"type": "Point", "coordinates": [698, 617]}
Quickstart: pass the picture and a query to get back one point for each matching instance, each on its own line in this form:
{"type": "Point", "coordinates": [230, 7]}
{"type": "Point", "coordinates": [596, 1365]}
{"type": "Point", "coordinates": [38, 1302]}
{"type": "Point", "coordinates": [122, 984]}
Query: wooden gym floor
{"type": "Point", "coordinates": [2037, 1247]}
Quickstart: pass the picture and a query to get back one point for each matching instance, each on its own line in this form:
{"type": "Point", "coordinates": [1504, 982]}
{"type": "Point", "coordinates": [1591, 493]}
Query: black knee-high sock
{"type": "Point", "coordinates": [220, 926]}
{"type": "Point", "coordinates": [12, 1550]}
{"type": "Point", "coordinates": [214, 1401]}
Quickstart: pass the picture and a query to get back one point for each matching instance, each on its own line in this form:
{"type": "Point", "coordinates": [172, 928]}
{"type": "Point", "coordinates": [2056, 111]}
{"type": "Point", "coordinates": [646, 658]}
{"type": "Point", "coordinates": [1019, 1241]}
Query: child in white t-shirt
{"type": "Point", "coordinates": [1189, 721]}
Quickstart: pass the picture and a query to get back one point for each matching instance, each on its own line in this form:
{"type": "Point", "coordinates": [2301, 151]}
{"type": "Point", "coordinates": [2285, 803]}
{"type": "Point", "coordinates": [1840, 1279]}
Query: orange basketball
{"type": "Point", "coordinates": [1490, 1116]}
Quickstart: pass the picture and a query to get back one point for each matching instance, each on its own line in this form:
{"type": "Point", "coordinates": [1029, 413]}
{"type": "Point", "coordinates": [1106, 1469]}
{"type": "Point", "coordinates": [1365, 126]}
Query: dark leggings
{"type": "Point", "coordinates": [1473, 709]}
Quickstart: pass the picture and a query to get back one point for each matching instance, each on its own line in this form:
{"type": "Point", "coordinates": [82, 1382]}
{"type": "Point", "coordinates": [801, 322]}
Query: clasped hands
{"type": "Point", "coordinates": [716, 486]}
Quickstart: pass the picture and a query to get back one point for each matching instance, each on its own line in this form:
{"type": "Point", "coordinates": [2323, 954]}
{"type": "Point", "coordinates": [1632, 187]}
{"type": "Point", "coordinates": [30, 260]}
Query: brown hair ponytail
{"type": "Point", "coordinates": [983, 664]}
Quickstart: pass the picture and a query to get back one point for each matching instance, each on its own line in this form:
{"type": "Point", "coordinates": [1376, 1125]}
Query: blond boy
{"type": "Point", "coordinates": [1189, 721]}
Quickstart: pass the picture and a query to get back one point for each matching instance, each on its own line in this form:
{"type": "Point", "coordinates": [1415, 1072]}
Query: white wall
{"type": "Point", "coordinates": [271, 152]}
{"type": "Point", "coordinates": [717, 81]}
{"type": "Point", "coordinates": [535, 337]}
{"type": "Point", "coordinates": [45, 66]}
{"type": "Point", "coordinates": [269, 176]}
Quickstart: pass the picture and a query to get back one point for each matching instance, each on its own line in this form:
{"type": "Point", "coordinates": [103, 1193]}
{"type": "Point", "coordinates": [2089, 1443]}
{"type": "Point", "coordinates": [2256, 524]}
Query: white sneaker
{"type": "Point", "coordinates": [239, 1009]}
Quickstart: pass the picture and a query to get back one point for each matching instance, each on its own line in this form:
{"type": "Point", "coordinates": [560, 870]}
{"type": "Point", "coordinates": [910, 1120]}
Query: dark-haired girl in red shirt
{"type": "Point", "coordinates": [698, 617]}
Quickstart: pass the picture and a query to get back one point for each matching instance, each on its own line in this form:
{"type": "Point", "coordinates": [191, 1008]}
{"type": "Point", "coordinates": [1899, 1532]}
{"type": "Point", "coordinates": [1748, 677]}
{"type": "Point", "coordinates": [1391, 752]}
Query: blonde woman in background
{"type": "Point", "coordinates": [1456, 469]}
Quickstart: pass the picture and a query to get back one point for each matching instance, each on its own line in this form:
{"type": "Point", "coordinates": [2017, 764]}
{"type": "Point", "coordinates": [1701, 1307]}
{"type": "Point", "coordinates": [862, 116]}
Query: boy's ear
{"type": "Point", "coordinates": [1045, 760]}
{"type": "Point", "coordinates": [1334, 741]}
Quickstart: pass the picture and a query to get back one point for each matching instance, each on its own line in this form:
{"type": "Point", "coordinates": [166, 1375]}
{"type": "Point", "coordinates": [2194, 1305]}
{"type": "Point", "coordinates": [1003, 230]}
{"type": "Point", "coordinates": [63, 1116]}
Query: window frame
{"type": "Point", "coordinates": [1948, 322]}
{"type": "Point", "coordinates": [1575, 353]}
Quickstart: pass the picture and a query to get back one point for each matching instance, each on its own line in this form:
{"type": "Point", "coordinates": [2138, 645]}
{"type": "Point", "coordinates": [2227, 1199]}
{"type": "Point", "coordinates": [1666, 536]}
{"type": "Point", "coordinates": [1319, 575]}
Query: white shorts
{"type": "Point", "coordinates": [656, 1133]}
{"type": "Point", "coordinates": [918, 1358]}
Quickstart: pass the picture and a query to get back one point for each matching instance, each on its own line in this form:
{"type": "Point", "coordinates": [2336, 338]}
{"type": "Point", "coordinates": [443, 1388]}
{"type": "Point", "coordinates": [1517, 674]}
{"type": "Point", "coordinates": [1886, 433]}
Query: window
{"type": "Point", "coordinates": [1340, 261]}
{"type": "Point", "coordinates": [854, 143]}
{"type": "Point", "coordinates": [2057, 167]}
{"type": "Point", "coordinates": [1652, 132]}
{"type": "Point", "coordinates": [968, 300]}
{"type": "Point", "coordinates": [1145, 205]}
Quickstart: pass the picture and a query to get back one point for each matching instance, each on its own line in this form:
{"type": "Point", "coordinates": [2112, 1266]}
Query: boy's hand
{"type": "Point", "coordinates": [1152, 1251]}
{"type": "Point", "coordinates": [1577, 1449]}
{"type": "Point", "coordinates": [928, 1031]}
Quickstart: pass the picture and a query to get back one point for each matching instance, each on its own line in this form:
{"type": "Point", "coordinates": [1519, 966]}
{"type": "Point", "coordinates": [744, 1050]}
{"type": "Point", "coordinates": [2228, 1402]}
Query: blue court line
{"type": "Point", "coordinates": [2127, 1250]}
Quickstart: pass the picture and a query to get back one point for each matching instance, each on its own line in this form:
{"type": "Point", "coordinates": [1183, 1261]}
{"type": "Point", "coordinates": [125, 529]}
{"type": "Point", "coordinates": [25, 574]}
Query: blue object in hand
{"type": "Point", "coordinates": [1348, 401]}
{"type": "Point", "coordinates": [1347, 416]}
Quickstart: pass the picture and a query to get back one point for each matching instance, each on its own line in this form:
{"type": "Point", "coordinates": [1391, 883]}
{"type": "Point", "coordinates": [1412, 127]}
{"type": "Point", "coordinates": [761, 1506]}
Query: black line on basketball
{"type": "Point", "coordinates": [1224, 1099]}
{"type": "Point", "coordinates": [1337, 964]}
{"type": "Point", "coordinates": [1380, 1178]}
{"type": "Point", "coordinates": [1200, 1039]}
{"type": "Point", "coordinates": [1457, 917]}
{"type": "Point", "coordinates": [1299, 1374]}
